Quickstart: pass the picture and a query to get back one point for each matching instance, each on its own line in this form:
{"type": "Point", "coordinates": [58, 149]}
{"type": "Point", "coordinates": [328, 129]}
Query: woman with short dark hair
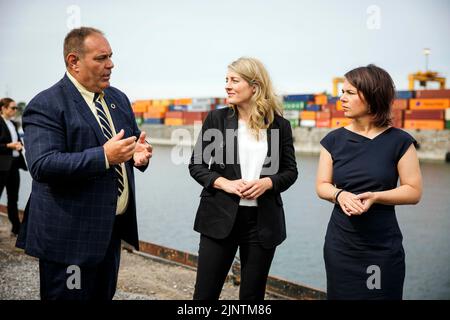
{"type": "Point", "coordinates": [358, 171]}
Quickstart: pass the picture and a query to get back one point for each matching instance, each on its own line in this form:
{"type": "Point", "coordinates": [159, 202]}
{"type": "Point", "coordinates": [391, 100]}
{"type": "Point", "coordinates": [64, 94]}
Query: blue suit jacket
{"type": "Point", "coordinates": [70, 214]}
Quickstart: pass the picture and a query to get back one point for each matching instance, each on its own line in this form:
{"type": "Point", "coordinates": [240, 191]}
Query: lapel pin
{"type": "Point", "coordinates": [113, 105]}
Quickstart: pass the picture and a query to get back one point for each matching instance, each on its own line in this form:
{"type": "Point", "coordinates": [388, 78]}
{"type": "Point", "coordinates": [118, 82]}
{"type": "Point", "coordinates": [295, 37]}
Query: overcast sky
{"type": "Point", "coordinates": [181, 48]}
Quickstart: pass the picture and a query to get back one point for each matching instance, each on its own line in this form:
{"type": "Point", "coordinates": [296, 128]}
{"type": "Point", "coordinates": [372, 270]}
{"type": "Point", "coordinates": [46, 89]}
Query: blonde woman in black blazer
{"type": "Point", "coordinates": [244, 158]}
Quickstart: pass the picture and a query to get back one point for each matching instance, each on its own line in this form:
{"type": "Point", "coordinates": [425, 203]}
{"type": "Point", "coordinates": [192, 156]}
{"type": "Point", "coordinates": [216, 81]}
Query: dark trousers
{"type": "Point", "coordinates": [59, 281]}
{"type": "Point", "coordinates": [216, 257]}
{"type": "Point", "coordinates": [11, 180]}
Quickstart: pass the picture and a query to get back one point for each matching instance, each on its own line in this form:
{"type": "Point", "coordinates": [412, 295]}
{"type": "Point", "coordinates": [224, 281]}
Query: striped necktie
{"type": "Point", "coordinates": [108, 133]}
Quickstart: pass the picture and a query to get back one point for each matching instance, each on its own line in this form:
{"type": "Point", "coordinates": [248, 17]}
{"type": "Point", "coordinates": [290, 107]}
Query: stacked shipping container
{"type": "Point", "coordinates": [422, 109]}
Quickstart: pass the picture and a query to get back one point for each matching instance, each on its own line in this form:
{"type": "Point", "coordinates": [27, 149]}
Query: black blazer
{"type": "Point", "coordinates": [217, 210]}
{"type": "Point", "coordinates": [6, 153]}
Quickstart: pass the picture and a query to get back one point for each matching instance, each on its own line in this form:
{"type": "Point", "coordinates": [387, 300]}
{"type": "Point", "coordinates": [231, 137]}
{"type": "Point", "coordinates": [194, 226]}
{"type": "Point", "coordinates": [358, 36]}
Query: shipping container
{"type": "Point", "coordinates": [308, 123]}
{"type": "Point", "coordinates": [447, 124]}
{"type": "Point", "coordinates": [424, 124]}
{"type": "Point", "coordinates": [329, 107]}
{"type": "Point", "coordinates": [175, 114]}
{"type": "Point", "coordinates": [338, 114]}
{"type": "Point", "coordinates": [323, 123]}
{"type": "Point", "coordinates": [153, 121]}
{"type": "Point", "coordinates": [173, 121]}
{"type": "Point", "coordinates": [203, 101]}
{"type": "Point", "coordinates": [433, 94]}
{"type": "Point", "coordinates": [447, 114]}
{"type": "Point", "coordinates": [400, 104]}
{"type": "Point", "coordinates": [340, 122]}
{"type": "Point", "coordinates": [417, 104]}
{"type": "Point", "coordinates": [397, 118]}
{"type": "Point", "coordinates": [296, 105]}
{"type": "Point", "coordinates": [156, 114]}
{"type": "Point", "coordinates": [183, 101]}
{"type": "Point", "coordinates": [178, 108]}
{"type": "Point", "coordinates": [424, 114]}
{"type": "Point", "coordinates": [165, 103]}
{"type": "Point", "coordinates": [308, 115]}
{"type": "Point", "coordinates": [291, 114]}
{"type": "Point", "coordinates": [199, 108]}
{"type": "Point", "coordinates": [405, 94]}
{"type": "Point", "coordinates": [195, 115]}
{"type": "Point", "coordinates": [339, 105]}
{"type": "Point", "coordinates": [323, 115]}
{"type": "Point", "coordinates": [321, 99]}
{"type": "Point", "coordinates": [333, 100]}
{"type": "Point", "coordinates": [141, 105]}
{"type": "Point", "coordinates": [158, 107]}
{"type": "Point", "coordinates": [313, 107]}
{"type": "Point", "coordinates": [298, 97]}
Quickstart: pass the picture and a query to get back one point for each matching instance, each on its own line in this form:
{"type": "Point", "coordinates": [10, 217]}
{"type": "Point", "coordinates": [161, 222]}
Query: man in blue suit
{"type": "Point", "coordinates": [81, 142]}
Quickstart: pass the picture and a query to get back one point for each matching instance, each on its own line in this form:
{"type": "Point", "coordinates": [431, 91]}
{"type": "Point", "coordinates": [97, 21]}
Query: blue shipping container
{"type": "Point", "coordinates": [178, 107]}
{"type": "Point", "coordinates": [313, 107]}
{"type": "Point", "coordinates": [333, 99]}
{"type": "Point", "coordinates": [405, 94]}
{"type": "Point", "coordinates": [154, 121]}
{"type": "Point", "coordinates": [298, 97]}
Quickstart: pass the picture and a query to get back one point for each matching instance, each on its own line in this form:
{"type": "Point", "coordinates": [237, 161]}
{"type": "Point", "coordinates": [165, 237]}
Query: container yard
{"type": "Point", "coordinates": [419, 109]}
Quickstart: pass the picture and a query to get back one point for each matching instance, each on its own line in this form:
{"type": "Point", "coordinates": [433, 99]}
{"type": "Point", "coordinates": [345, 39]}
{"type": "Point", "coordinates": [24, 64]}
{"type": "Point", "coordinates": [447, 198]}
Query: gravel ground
{"type": "Point", "coordinates": [140, 277]}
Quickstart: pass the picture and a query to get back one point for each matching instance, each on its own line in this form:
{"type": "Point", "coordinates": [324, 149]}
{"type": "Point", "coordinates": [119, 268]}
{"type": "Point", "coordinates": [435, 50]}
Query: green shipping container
{"type": "Point", "coordinates": [297, 105]}
{"type": "Point", "coordinates": [447, 124]}
{"type": "Point", "coordinates": [294, 123]}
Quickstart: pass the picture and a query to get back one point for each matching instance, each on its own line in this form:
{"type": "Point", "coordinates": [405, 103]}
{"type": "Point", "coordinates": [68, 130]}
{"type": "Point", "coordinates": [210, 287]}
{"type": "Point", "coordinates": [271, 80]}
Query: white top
{"type": "Point", "coordinates": [13, 133]}
{"type": "Point", "coordinates": [252, 154]}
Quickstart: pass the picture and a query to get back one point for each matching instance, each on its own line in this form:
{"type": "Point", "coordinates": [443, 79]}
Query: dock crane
{"type": "Point", "coordinates": [427, 76]}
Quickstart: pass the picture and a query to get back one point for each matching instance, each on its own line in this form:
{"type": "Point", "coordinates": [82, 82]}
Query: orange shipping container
{"type": "Point", "coordinates": [162, 103]}
{"type": "Point", "coordinates": [321, 99]}
{"type": "Point", "coordinates": [339, 105]}
{"type": "Point", "coordinates": [340, 122]}
{"type": "Point", "coordinates": [174, 114]}
{"type": "Point", "coordinates": [417, 104]}
{"type": "Point", "coordinates": [400, 104]}
{"type": "Point", "coordinates": [141, 105]}
{"type": "Point", "coordinates": [308, 115]}
{"type": "Point", "coordinates": [323, 123]}
{"type": "Point", "coordinates": [159, 108]}
{"type": "Point", "coordinates": [321, 115]}
{"type": "Point", "coordinates": [329, 107]}
{"type": "Point", "coordinates": [424, 124]}
{"type": "Point", "coordinates": [156, 114]}
{"type": "Point", "coordinates": [182, 102]}
{"type": "Point", "coordinates": [173, 121]}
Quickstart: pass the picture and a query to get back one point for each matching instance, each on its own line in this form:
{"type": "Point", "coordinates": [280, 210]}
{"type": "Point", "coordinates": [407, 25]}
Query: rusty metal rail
{"type": "Point", "coordinates": [275, 285]}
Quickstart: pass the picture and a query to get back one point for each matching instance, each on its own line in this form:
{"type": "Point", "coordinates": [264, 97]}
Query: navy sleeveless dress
{"type": "Point", "coordinates": [364, 257]}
